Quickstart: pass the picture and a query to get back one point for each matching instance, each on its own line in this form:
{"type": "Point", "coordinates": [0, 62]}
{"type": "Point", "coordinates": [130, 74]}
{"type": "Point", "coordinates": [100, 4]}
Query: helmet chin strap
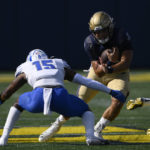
{"type": "Point", "coordinates": [104, 41]}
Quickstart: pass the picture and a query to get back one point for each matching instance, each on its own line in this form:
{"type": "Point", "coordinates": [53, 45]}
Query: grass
{"type": "Point", "coordinates": [138, 118]}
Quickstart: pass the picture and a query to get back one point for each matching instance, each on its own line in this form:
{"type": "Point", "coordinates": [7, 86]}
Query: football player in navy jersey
{"type": "Point", "coordinates": [115, 73]}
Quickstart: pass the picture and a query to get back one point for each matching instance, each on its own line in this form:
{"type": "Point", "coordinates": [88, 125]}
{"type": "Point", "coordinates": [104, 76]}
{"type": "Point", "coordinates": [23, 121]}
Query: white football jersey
{"type": "Point", "coordinates": [44, 72]}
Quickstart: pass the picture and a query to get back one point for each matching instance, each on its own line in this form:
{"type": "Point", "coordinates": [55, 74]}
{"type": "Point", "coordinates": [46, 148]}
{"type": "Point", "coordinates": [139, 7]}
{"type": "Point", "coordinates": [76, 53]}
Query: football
{"type": "Point", "coordinates": [103, 55]}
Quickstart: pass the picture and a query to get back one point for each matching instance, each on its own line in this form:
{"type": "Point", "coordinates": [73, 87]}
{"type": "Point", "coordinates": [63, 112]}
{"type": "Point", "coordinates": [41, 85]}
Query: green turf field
{"type": "Point", "coordinates": [128, 131]}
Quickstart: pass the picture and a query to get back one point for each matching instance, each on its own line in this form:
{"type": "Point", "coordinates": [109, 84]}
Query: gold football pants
{"type": "Point", "coordinates": [115, 81]}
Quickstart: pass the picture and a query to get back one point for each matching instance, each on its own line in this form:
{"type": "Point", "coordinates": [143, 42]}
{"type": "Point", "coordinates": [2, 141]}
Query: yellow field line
{"type": "Point", "coordinates": [119, 138]}
{"type": "Point", "coordinates": [134, 77]}
{"type": "Point", "coordinates": [129, 138]}
{"type": "Point", "coordinates": [129, 135]}
{"type": "Point", "coordinates": [140, 77]}
{"type": "Point", "coordinates": [6, 78]}
{"type": "Point", "coordinates": [66, 130]}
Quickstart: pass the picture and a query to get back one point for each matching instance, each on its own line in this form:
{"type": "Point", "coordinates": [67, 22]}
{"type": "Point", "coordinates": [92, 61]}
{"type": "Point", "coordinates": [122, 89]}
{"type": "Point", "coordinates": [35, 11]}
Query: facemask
{"type": "Point", "coordinates": [104, 41]}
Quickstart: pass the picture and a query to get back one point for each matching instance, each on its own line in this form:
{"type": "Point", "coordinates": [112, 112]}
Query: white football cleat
{"type": "Point", "coordinates": [3, 141]}
{"type": "Point", "coordinates": [99, 135]}
{"type": "Point", "coordinates": [47, 134]}
{"type": "Point", "coordinates": [94, 141]}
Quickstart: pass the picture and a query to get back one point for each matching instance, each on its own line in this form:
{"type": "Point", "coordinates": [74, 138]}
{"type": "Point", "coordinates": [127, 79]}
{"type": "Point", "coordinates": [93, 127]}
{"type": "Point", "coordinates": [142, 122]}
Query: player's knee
{"type": "Point", "coordinates": [18, 107]}
{"type": "Point", "coordinates": [116, 103]}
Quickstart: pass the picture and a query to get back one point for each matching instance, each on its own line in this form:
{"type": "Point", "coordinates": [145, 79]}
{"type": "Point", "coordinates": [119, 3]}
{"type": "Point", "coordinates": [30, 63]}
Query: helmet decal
{"type": "Point", "coordinates": [36, 54]}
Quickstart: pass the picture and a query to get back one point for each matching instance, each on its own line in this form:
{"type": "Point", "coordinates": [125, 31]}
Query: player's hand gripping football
{"type": "Point", "coordinates": [103, 61]}
{"type": "Point", "coordinates": [113, 56]}
{"type": "Point", "coordinates": [108, 55]}
{"type": "Point", "coordinates": [118, 95]}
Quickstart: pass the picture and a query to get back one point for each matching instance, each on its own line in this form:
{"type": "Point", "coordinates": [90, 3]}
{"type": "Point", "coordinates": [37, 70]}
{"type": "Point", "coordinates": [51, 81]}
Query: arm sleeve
{"type": "Point", "coordinates": [90, 83]}
{"type": "Point", "coordinates": [20, 69]}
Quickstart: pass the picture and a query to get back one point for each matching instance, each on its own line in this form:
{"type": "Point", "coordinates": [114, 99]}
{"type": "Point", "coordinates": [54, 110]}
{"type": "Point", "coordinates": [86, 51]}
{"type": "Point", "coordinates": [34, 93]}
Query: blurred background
{"type": "Point", "coordinates": [60, 26]}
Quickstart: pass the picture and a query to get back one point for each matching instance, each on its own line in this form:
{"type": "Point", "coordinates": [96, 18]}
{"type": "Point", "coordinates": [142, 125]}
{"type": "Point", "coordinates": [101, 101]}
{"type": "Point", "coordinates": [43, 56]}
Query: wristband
{"type": "Point", "coordinates": [110, 69]}
{"type": "Point", "coordinates": [109, 63]}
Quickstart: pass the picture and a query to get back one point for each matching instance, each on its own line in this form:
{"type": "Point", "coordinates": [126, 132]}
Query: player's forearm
{"type": "Point", "coordinates": [120, 66]}
{"type": "Point", "coordinates": [13, 87]}
{"type": "Point", "coordinates": [124, 63]}
{"type": "Point", "coordinates": [69, 74]}
{"type": "Point", "coordinates": [97, 69]}
{"type": "Point", "coordinates": [91, 83]}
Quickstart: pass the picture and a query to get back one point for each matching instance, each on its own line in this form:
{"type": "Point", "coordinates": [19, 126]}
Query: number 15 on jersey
{"type": "Point", "coordinates": [44, 64]}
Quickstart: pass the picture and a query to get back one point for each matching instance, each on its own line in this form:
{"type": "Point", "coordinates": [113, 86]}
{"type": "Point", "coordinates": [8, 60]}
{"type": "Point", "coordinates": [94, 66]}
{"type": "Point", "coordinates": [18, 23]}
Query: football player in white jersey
{"type": "Point", "coordinates": [46, 76]}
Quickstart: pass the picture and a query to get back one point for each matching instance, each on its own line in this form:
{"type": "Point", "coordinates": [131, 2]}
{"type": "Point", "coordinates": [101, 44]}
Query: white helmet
{"type": "Point", "coordinates": [36, 54]}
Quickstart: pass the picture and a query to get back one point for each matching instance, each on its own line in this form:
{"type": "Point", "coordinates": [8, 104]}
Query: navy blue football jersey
{"type": "Point", "coordinates": [119, 39]}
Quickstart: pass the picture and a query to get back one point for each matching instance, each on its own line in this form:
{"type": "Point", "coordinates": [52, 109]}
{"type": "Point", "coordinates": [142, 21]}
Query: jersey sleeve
{"type": "Point", "coordinates": [19, 70]}
{"type": "Point", "coordinates": [66, 64]}
{"type": "Point", "coordinates": [61, 63]}
{"type": "Point", "coordinates": [125, 41]}
{"type": "Point", "coordinates": [91, 48]}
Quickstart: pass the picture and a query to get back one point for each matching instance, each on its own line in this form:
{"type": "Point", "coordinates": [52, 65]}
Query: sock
{"type": "Point", "coordinates": [88, 121]}
{"type": "Point", "coordinates": [12, 117]}
{"type": "Point", "coordinates": [61, 120]}
{"type": "Point", "coordinates": [101, 124]}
